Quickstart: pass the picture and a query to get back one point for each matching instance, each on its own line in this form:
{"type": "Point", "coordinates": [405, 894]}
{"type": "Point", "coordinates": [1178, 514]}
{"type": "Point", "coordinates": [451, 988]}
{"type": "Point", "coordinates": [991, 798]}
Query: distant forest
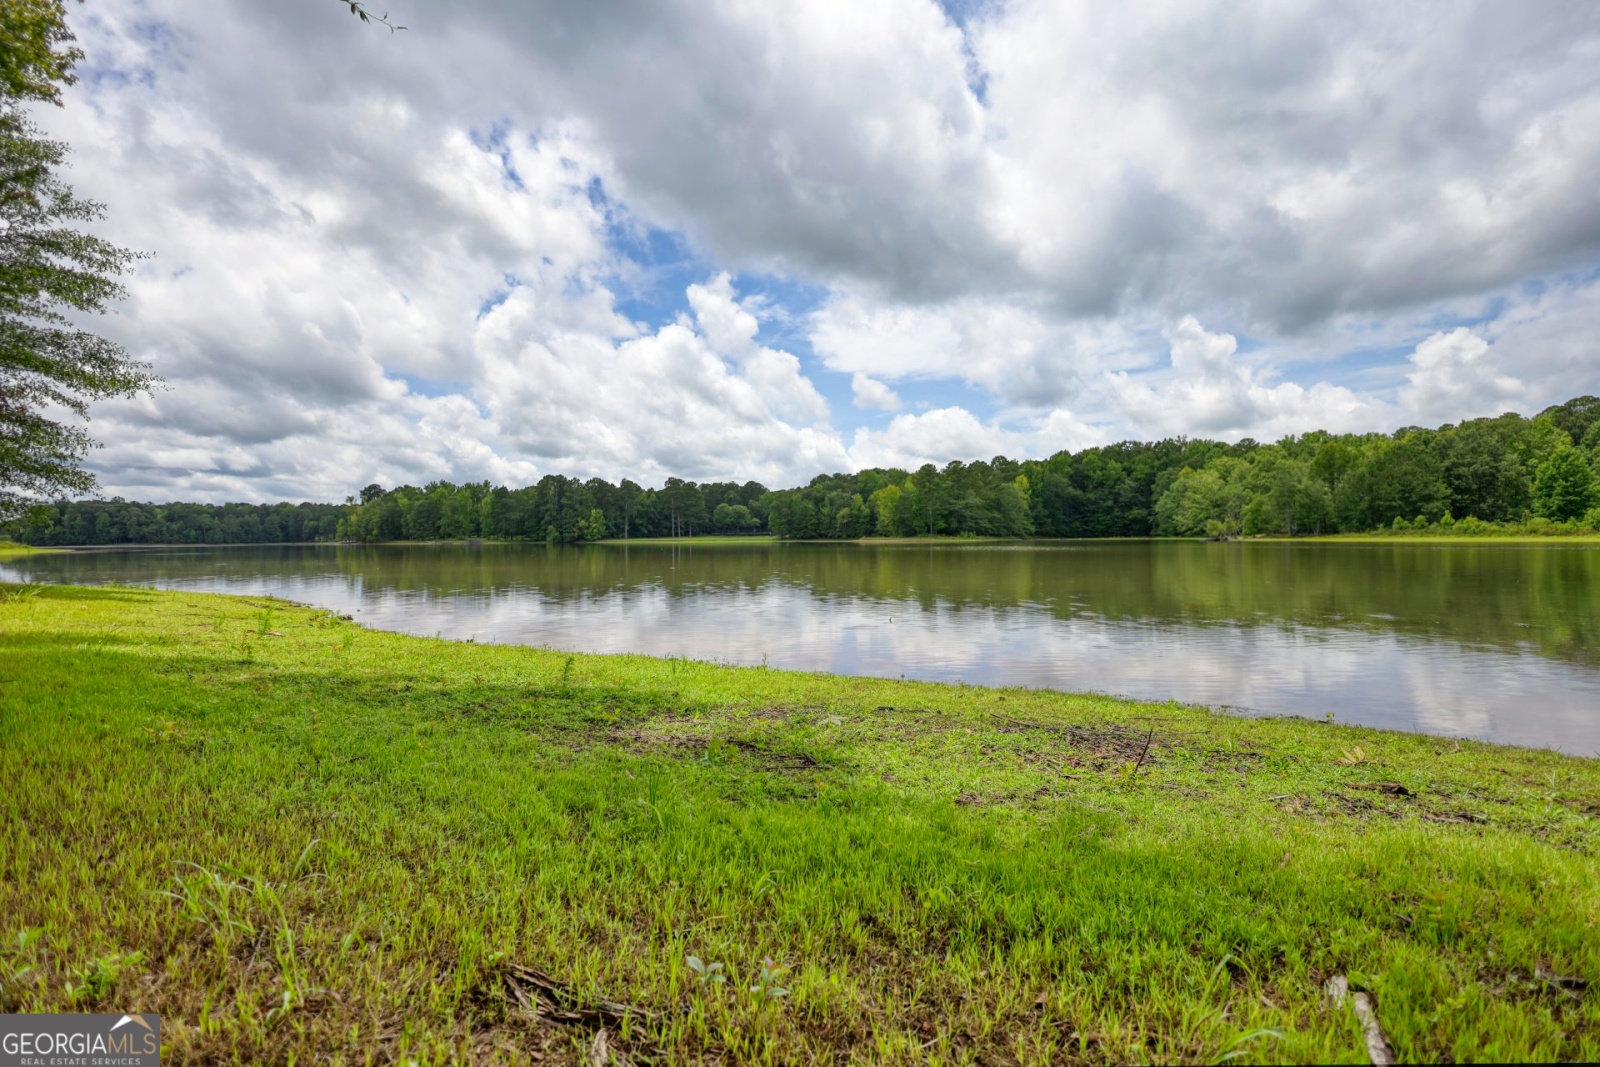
{"type": "Point", "coordinates": [120, 522]}
{"type": "Point", "coordinates": [1509, 472]}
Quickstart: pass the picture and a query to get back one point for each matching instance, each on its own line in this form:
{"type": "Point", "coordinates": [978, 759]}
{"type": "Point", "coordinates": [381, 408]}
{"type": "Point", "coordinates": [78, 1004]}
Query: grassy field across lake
{"type": "Point", "coordinates": [1428, 538]}
{"type": "Point", "coordinates": [12, 550]}
{"type": "Point", "coordinates": [303, 841]}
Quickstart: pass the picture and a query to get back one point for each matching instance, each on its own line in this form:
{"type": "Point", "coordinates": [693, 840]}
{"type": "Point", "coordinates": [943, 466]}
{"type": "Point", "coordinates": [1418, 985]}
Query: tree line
{"type": "Point", "coordinates": [1488, 475]}
{"type": "Point", "coordinates": [122, 522]}
{"type": "Point", "coordinates": [555, 509]}
{"type": "Point", "coordinates": [1484, 475]}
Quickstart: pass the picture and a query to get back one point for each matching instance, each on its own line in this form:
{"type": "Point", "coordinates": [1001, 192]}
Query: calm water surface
{"type": "Point", "coordinates": [1500, 642]}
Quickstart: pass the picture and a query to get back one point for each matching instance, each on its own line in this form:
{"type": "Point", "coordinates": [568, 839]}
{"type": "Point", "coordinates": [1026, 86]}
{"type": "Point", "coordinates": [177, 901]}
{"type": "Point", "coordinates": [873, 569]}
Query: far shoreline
{"type": "Point", "coordinates": [14, 550]}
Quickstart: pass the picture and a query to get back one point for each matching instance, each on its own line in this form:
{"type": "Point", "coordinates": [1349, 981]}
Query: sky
{"type": "Point", "coordinates": [731, 239]}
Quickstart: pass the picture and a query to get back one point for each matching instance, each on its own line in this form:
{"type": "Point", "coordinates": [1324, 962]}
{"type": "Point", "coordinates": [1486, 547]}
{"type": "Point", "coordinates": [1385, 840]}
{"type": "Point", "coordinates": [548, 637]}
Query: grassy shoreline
{"type": "Point", "coordinates": [696, 539]}
{"type": "Point", "coordinates": [298, 839]}
{"type": "Point", "coordinates": [12, 550]}
{"type": "Point", "coordinates": [1424, 538]}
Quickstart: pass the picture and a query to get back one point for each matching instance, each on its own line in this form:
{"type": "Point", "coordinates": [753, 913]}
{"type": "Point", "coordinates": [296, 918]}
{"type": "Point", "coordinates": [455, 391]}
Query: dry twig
{"type": "Point", "coordinates": [1378, 1050]}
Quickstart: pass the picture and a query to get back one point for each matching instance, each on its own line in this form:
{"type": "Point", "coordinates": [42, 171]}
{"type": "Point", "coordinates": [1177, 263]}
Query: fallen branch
{"type": "Point", "coordinates": [1378, 1050]}
{"type": "Point", "coordinates": [1022, 723]}
{"type": "Point", "coordinates": [539, 994]}
{"type": "Point", "coordinates": [1145, 751]}
{"type": "Point", "coordinates": [787, 759]}
{"type": "Point", "coordinates": [1571, 986]}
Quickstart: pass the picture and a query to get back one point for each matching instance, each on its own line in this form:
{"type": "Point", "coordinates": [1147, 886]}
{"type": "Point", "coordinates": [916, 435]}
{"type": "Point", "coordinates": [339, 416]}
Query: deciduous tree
{"type": "Point", "coordinates": [54, 277]}
{"type": "Point", "coordinates": [1564, 487]}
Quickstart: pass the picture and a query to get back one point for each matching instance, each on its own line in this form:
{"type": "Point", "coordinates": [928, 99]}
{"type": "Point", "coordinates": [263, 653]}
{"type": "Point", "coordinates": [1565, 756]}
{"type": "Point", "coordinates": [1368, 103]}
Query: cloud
{"type": "Point", "coordinates": [1546, 340]}
{"type": "Point", "coordinates": [664, 403]}
{"type": "Point", "coordinates": [551, 394]}
{"type": "Point", "coordinates": [730, 329]}
{"type": "Point", "coordinates": [871, 393]}
{"type": "Point", "coordinates": [833, 140]}
{"type": "Point", "coordinates": [954, 433]}
{"type": "Point", "coordinates": [1282, 164]}
{"type": "Point", "coordinates": [1451, 379]}
{"type": "Point", "coordinates": [937, 437]}
{"type": "Point", "coordinates": [1012, 351]}
{"type": "Point", "coordinates": [1206, 392]}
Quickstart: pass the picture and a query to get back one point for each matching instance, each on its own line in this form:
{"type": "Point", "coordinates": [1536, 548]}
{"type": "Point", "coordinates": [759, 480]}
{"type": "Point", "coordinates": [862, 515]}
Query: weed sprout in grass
{"type": "Point", "coordinates": [215, 901]}
{"type": "Point", "coordinates": [89, 984]}
{"type": "Point", "coordinates": [766, 987]}
{"type": "Point", "coordinates": [18, 959]}
{"type": "Point", "coordinates": [707, 974]}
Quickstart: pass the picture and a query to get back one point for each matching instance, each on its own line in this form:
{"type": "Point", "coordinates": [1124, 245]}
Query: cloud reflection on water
{"type": "Point", "coordinates": [1386, 669]}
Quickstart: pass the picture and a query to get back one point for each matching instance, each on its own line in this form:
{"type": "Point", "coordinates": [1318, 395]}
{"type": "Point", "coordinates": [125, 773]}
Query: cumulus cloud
{"type": "Point", "coordinates": [647, 406]}
{"type": "Point", "coordinates": [730, 329]}
{"type": "Point", "coordinates": [936, 437]}
{"type": "Point", "coordinates": [954, 433]}
{"type": "Point", "coordinates": [871, 393]}
{"type": "Point", "coordinates": [1208, 392]}
{"type": "Point", "coordinates": [1451, 378]}
{"type": "Point", "coordinates": [1546, 340]}
{"type": "Point", "coordinates": [1012, 351]}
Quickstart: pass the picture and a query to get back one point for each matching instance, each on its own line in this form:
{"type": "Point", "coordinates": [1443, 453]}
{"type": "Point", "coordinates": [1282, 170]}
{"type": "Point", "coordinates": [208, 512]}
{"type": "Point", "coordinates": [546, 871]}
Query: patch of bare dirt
{"type": "Point", "coordinates": [1360, 807]}
{"type": "Point", "coordinates": [1393, 789]}
{"type": "Point", "coordinates": [1097, 745]}
{"type": "Point", "coordinates": [967, 798]}
{"type": "Point", "coordinates": [1463, 817]}
{"type": "Point", "coordinates": [646, 739]}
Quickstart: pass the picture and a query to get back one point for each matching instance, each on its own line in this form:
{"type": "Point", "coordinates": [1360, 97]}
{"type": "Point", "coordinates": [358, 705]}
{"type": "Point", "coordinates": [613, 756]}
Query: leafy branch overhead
{"type": "Point", "coordinates": [359, 10]}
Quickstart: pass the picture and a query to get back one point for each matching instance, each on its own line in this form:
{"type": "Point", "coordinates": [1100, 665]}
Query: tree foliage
{"type": "Point", "coordinates": [1503, 470]}
{"type": "Point", "coordinates": [556, 509]}
{"type": "Point", "coordinates": [36, 51]}
{"type": "Point", "coordinates": [53, 276]}
{"type": "Point", "coordinates": [1484, 470]}
{"type": "Point", "coordinates": [1564, 486]}
{"type": "Point", "coordinates": [359, 10]}
{"type": "Point", "coordinates": [121, 522]}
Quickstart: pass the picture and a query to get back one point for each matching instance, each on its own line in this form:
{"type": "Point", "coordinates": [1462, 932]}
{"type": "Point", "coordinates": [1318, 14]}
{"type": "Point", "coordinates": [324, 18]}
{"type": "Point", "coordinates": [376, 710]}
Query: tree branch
{"type": "Point", "coordinates": [359, 10]}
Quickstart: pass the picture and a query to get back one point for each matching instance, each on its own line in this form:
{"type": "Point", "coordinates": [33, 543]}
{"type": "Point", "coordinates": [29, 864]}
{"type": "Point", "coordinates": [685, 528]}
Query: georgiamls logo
{"type": "Point", "coordinates": [80, 1040]}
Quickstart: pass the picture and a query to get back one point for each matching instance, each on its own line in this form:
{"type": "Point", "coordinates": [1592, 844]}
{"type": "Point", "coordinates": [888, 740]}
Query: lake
{"type": "Point", "coordinates": [1495, 641]}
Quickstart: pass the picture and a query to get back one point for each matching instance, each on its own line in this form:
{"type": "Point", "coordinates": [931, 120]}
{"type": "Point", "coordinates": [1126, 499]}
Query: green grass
{"type": "Point", "coordinates": [303, 841]}
{"type": "Point", "coordinates": [697, 539]}
{"type": "Point", "coordinates": [1430, 538]}
{"type": "Point", "coordinates": [12, 550]}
